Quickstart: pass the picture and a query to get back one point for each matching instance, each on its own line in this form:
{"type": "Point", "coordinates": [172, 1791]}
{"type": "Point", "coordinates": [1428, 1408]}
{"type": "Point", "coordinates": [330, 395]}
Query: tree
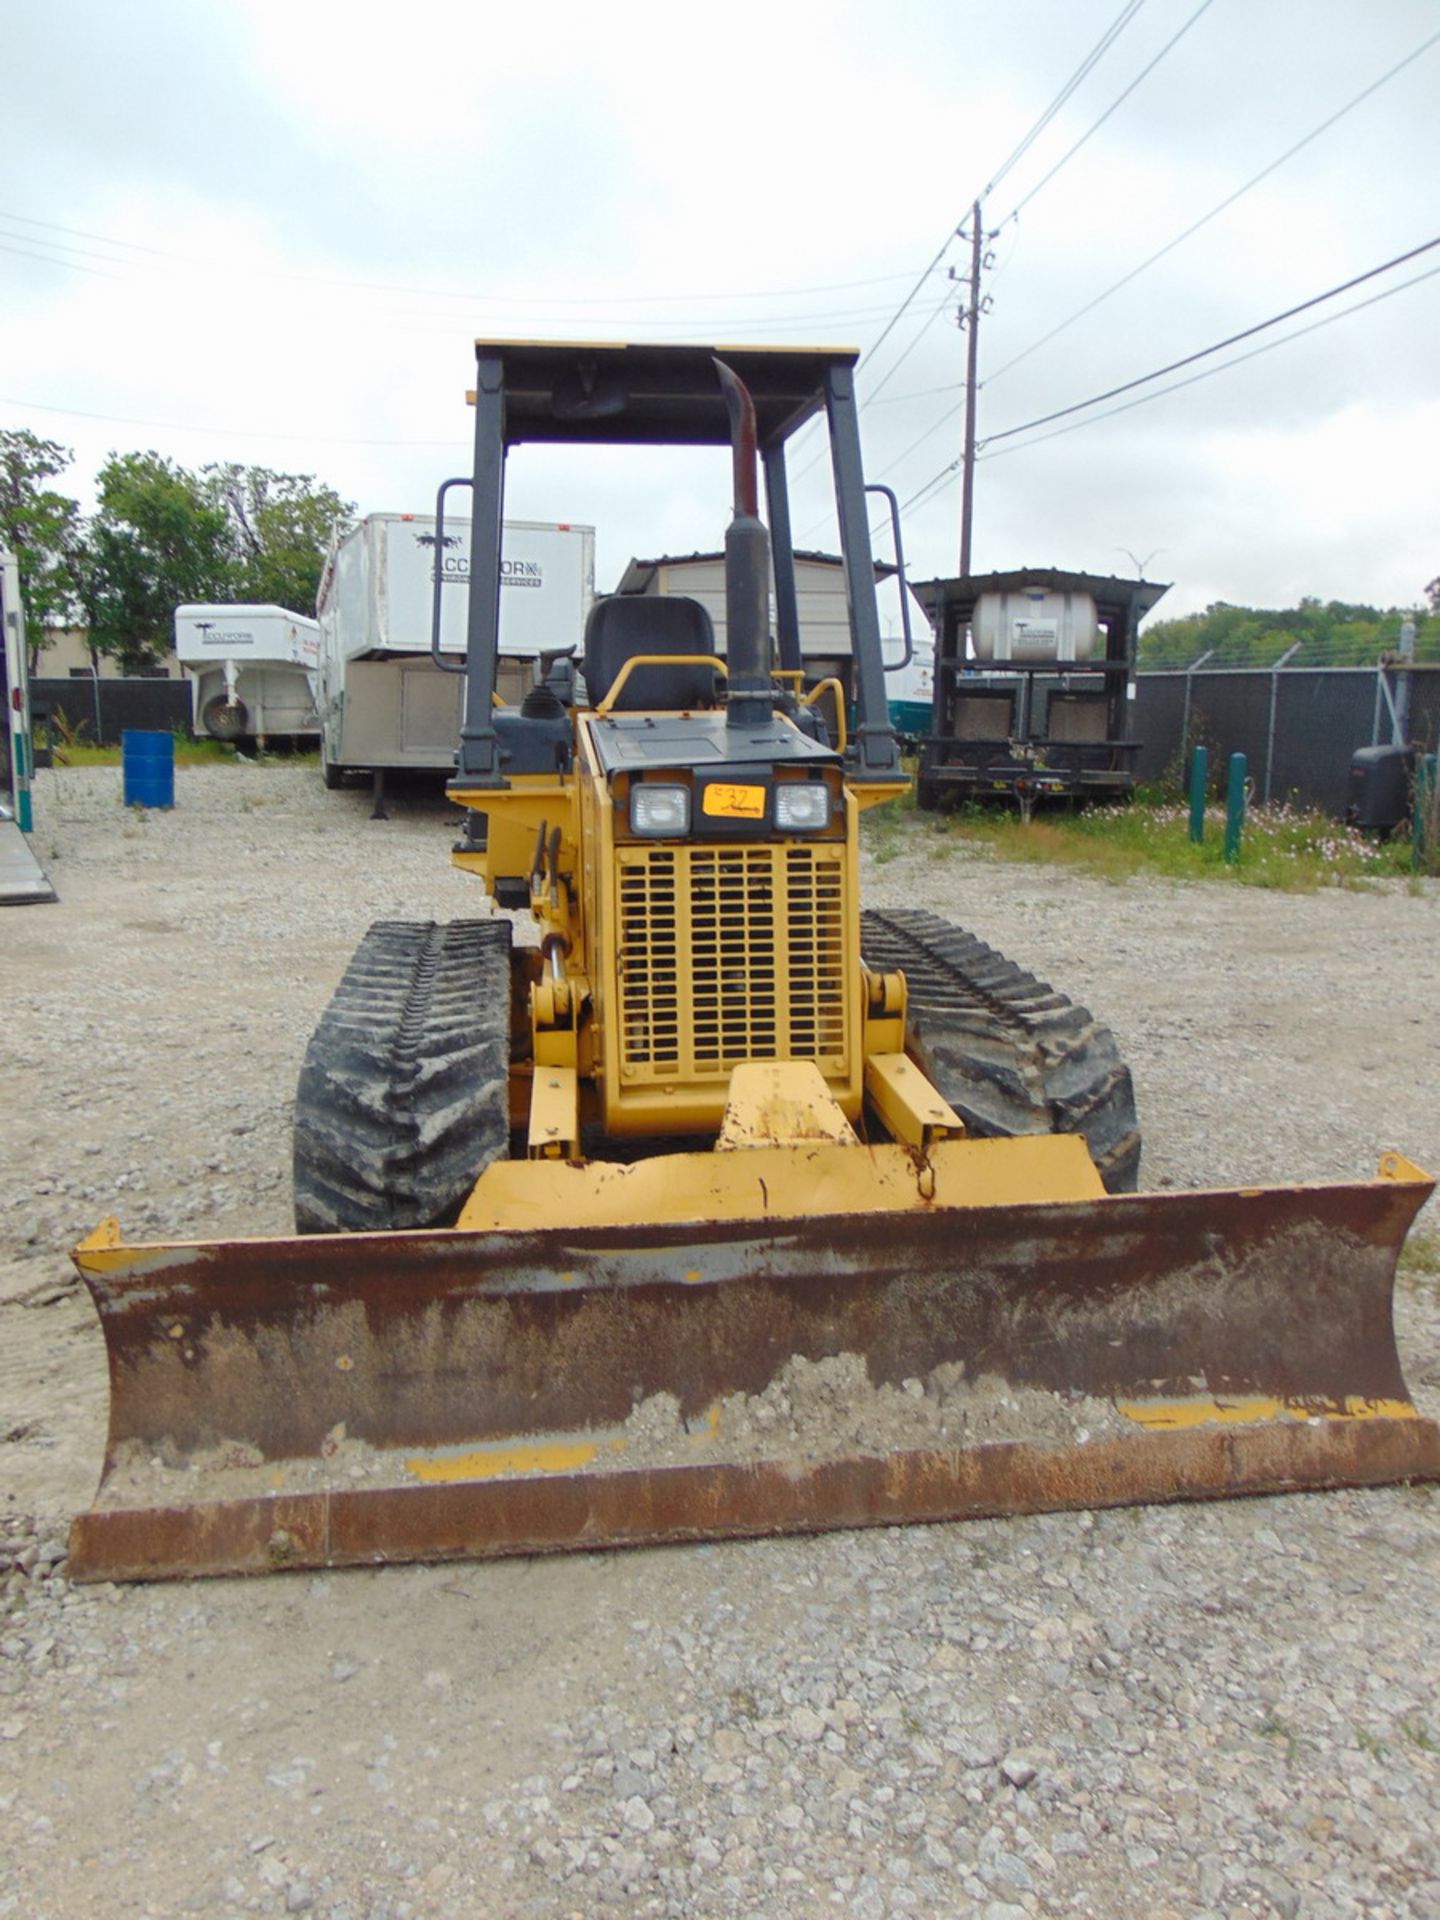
{"type": "Point", "coordinates": [158, 539]}
{"type": "Point", "coordinates": [1331, 633]}
{"type": "Point", "coordinates": [281, 526]}
{"type": "Point", "coordinates": [42, 528]}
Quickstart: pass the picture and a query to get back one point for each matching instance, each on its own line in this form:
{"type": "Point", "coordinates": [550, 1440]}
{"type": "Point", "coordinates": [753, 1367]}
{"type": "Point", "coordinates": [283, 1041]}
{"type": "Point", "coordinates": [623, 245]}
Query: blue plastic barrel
{"type": "Point", "coordinates": [148, 762]}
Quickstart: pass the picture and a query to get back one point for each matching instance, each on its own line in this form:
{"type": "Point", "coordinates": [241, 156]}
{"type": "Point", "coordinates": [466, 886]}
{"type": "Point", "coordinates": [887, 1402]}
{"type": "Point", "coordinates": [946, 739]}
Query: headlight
{"type": "Point", "coordinates": [802, 806]}
{"type": "Point", "coordinates": [661, 811]}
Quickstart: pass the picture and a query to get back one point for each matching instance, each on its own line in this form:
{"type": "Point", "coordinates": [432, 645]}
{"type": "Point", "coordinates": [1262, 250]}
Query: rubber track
{"type": "Point", "coordinates": [403, 1096]}
{"type": "Point", "coordinates": [1010, 1054]}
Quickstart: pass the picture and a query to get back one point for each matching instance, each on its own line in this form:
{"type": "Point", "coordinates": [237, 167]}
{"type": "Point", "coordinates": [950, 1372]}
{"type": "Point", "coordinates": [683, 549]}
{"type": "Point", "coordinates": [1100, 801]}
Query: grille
{"type": "Point", "coordinates": [730, 954]}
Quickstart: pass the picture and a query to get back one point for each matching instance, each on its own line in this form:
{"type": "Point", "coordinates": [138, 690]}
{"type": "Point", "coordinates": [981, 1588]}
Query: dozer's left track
{"type": "Point", "coordinates": [1009, 1053]}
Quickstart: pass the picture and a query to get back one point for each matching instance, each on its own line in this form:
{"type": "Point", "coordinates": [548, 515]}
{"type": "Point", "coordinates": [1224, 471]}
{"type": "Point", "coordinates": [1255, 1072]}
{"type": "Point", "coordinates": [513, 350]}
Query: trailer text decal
{"type": "Point", "coordinates": [455, 567]}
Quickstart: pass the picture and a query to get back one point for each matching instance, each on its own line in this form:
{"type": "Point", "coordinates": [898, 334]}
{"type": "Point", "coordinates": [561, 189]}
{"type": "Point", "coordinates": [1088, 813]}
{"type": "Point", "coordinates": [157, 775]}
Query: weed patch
{"type": "Point", "coordinates": [72, 751]}
{"type": "Point", "coordinates": [1284, 848]}
{"type": "Point", "coordinates": [1419, 1266]}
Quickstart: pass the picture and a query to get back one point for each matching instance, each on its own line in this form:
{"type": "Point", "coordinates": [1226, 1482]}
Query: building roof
{"type": "Point", "coordinates": [639, 573]}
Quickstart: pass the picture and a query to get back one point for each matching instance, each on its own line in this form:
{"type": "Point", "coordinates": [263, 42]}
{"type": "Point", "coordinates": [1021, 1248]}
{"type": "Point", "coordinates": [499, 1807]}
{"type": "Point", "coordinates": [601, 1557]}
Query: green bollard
{"type": "Point", "coordinates": [1234, 806]}
{"type": "Point", "coordinates": [1199, 780]}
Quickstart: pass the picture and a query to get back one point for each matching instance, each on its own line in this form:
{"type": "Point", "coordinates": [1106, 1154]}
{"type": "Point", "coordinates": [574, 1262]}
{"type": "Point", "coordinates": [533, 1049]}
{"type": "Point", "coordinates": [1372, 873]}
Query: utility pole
{"type": "Point", "coordinates": [969, 318]}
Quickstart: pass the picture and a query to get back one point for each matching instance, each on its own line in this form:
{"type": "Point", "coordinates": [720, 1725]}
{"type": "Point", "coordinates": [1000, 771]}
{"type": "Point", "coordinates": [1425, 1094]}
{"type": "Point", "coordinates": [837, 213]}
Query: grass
{"type": "Point", "coordinates": [1287, 848]}
{"type": "Point", "coordinates": [1415, 1731]}
{"type": "Point", "coordinates": [1420, 1263]}
{"type": "Point", "coordinates": [1274, 1727]}
{"type": "Point", "coordinates": [188, 753]}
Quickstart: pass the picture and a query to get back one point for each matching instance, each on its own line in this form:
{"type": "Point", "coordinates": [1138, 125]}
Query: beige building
{"type": "Point", "coordinates": [63, 654]}
{"type": "Point", "coordinates": [820, 596]}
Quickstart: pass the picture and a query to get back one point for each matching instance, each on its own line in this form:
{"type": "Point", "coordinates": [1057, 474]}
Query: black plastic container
{"type": "Point", "coordinates": [1380, 783]}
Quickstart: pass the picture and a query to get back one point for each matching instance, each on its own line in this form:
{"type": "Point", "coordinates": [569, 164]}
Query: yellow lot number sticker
{"type": "Point", "coordinates": [734, 803]}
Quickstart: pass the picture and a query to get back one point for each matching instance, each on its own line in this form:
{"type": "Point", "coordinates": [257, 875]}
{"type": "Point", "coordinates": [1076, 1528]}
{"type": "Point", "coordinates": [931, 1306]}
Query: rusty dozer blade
{"type": "Point", "coordinates": [357, 1399]}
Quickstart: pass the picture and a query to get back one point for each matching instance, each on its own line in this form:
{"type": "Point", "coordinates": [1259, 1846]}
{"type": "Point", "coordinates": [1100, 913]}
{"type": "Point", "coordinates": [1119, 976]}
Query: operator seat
{"type": "Point", "coordinates": [624, 624]}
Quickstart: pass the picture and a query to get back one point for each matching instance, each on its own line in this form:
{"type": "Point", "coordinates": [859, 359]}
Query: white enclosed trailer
{"type": "Point", "coordinates": [251, 671]}
{"type": "Point", "coordinates": [383, 701]}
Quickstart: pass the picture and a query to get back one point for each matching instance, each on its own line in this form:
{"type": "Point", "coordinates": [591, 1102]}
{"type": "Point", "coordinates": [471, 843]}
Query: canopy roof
{"type": "Point", "coordinates": [1106, 589]}
{"type": "Point", "coordinates": [647, 393]}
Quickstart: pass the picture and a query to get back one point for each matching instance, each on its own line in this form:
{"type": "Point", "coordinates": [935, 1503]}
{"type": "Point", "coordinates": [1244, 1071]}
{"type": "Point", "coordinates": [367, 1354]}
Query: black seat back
{"type": "Point", "coordinates": [625, 624]}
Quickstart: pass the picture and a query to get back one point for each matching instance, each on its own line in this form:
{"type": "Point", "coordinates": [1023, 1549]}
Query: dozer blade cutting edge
{"type": "Point", "coordinates": [773, 1366]}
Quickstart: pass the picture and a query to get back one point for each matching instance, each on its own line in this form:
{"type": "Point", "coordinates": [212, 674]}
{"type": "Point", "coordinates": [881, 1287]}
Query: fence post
{"type": "Point", "coordinates": [1199, 780]}
{"type": "Point", "coordinates": [1270, 733]}
{"type": "Point", "coordinates": [1283, 661]}
{"type": "Point", "coordinates": [1423, 809]}
{"type": "Point", "coordinates": [1234, 806]}
{"type": "Point", "coordinates": [1190, 672]}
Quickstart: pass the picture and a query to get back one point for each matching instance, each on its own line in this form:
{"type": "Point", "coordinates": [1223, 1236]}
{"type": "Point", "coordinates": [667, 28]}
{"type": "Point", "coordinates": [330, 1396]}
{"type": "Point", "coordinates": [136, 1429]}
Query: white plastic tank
{"type": "Point", "coordinates": [1034, 623]}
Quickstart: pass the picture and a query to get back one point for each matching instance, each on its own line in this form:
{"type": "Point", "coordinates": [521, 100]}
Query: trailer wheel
{"type": "Point", "coordinates": [404, 1096]}
{"type": "Point", "coordinates": [223, 719]}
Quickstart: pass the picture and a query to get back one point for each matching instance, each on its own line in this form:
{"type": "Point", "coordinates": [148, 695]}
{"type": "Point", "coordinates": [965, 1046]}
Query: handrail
{"type": "Point", "coordinates": [436, 601]}
{"type": "Point", "coordinates": [831, 683]}
{"type": "Point", "coordinates": [603, 707]}
{"type": "Point", "coordinates": [898, 666]}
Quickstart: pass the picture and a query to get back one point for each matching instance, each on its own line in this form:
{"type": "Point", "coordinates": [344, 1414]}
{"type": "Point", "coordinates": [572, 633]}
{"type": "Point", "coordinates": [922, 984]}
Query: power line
{"type": "Point", "coordinates": [1229, 201]}
{"type": "Point", "coordinates": [946, 473]}
{"type": "Point", "coordinates": [232, 433]}
{"type": "Point", "coordinates": [75, 266]}
{"type": "Point", "coordinates": [908, 301]}
{"type": "Point", "coordinates": [1107, 39]}
{"type": "Point", "coordinates": [930, 431]}
{"type": "Point", "coordinates": [707, 324]}
{"type": "Point", "coordinates": [1207, 373]}
{"type": "Point", "coordinates": [1112, 33]}
{"type": "Point", "coordinates": [440, 293]}
{"type": "Point", "coordinates": [896, 365]}
{"type": "Point", "coordinates": [920, 393]}
{"type": "Point", "coordinates": [1102, 46]}
{"type": "Point", "coordinates": [1118, 101]}
{"type": "Point", "coordinates": [951, 412]}
{"type": "Point", "coordinates": [932, 485]}
{"type": "Point", "coordinates": [1261, 326]}
{"type": "Point", "coordinates": [821, 451]}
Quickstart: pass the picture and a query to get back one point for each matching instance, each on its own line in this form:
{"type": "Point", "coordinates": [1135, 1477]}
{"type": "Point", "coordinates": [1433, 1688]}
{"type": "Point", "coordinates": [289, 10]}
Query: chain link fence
{"type": "Point", "coordinates": [1297, 726]}
{"type": "Point", "coordinates": [98, 711]}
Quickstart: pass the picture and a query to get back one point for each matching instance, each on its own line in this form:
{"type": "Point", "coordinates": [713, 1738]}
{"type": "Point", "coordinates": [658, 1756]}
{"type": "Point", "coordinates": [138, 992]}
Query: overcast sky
{"type": "Point", "coordinates": [270, 230]}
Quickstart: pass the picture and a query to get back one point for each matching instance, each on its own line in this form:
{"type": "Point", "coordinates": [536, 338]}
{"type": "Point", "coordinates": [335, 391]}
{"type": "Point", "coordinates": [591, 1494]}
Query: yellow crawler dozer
{"type": "Point", "coordinates": [725, 1208]}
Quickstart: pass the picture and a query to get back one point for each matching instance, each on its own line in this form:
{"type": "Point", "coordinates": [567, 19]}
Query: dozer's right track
{"type": "Point", "coordinates": [1009, 1053]}
{"type": "Point", "coordinates": [403, 1097]}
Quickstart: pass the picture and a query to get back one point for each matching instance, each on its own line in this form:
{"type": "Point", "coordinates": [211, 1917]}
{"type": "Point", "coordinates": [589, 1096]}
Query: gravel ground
{"type": "Point", "coordinates": [1213, 1711]}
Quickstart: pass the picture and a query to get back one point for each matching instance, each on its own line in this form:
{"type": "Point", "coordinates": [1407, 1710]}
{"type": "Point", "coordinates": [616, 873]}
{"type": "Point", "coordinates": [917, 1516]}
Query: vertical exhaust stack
{"type": "Point", "coordinates": [747, 569]}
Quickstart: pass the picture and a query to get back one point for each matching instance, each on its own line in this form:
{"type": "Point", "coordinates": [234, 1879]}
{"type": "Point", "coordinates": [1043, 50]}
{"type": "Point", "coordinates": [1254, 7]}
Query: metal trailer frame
{"type": "Point", "coordinates": [1028, 763]}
